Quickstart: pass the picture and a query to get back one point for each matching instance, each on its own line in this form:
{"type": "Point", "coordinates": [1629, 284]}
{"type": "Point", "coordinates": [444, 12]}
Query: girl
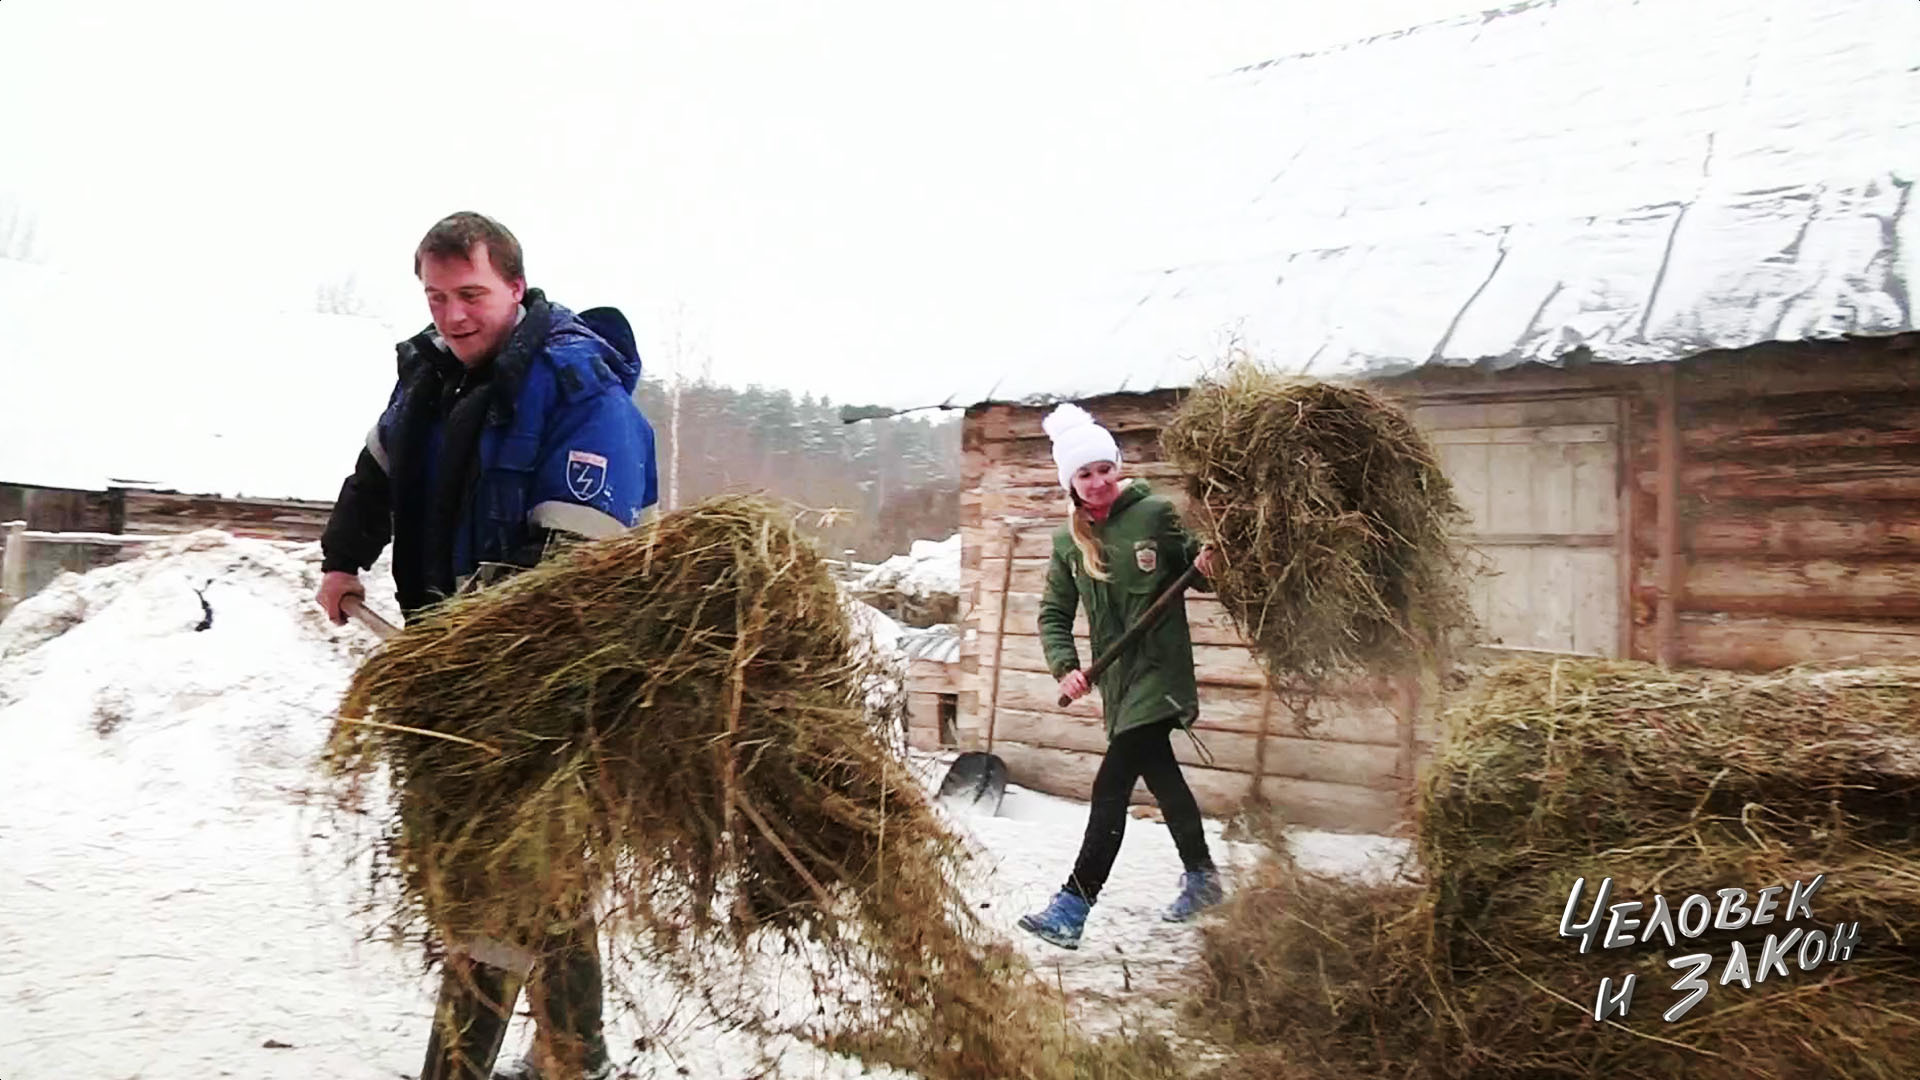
{"type": "Point", "coordinates": [1121, 549]}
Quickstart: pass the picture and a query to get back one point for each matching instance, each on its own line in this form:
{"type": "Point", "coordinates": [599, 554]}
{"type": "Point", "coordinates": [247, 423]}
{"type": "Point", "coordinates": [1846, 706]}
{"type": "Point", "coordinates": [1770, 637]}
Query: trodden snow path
{"type": "Point", "coordinates": [173, 905]}
{"type": "Point", "coordinates": [1131, 966]}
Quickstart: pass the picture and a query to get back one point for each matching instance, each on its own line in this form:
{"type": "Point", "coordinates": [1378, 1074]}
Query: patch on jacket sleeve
{"type": "Point", "coordinates": [586, 474]}
{"type": "Point", "coordinates": [1146, 555]}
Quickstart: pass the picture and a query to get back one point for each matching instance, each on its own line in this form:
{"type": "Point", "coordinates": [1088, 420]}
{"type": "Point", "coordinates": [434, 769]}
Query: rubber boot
{"type": "Point", "coordinates": [470, 1022]}
{"type": "Point", "coordinates": [566, 996]}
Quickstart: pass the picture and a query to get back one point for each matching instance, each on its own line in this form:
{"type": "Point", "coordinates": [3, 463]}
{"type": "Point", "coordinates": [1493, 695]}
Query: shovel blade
{"type": "Point", "coordinates": [977, 780]}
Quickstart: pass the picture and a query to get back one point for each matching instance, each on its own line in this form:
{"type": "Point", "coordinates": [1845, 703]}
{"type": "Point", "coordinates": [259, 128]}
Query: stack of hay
{"type": "Point", "coordinates": [667, 725]}
{"type": "Point", "coordinates": [1335, 521]}
{"type": "Point", "coordinates": [1669, 783]}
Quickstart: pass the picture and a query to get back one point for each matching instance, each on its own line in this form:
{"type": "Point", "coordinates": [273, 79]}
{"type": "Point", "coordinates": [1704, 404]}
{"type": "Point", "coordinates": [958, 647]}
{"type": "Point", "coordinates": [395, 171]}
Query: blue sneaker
{"type": "Point", "coordinates": [1199, 890]}
{"type": "Point", "coordinates": [1061, 923]}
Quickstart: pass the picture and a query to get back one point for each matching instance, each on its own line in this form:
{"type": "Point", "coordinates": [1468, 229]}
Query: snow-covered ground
{"type": "Point", "coordinates": [173, 904]}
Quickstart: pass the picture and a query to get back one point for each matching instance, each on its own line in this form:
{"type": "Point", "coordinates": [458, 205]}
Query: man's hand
{"type": "Point", "coordinates": [1073, 685]}
{"type": "Point", "coordinates": [335, 586]}
{"type": "Point", "coordinates": [1207, 561]}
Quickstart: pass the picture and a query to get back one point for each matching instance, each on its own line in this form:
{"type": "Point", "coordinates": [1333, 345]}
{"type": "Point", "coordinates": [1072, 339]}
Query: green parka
{"type": "Point", "coordinates": [1146, 548]}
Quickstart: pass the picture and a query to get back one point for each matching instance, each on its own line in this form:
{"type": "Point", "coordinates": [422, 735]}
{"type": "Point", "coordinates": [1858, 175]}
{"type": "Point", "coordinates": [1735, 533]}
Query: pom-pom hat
{"type": "Point", "coordinates": [1077, 440]}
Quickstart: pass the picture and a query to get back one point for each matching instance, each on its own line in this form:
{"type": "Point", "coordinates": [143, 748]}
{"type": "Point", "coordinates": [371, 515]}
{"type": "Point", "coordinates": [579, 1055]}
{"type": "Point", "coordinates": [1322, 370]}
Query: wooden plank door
{"type": "Point", "coordinates": [1539, 480]}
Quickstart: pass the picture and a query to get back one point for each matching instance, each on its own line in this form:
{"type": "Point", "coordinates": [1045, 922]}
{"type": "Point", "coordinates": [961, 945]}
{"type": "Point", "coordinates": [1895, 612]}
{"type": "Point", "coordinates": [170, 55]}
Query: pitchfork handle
{"type": "Point", "coordinates": [1160, 605]}
{"type": "Point", "coordinates": [353, 605]}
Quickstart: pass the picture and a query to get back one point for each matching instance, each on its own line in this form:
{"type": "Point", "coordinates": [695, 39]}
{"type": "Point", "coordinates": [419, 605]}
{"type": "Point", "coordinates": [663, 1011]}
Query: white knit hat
{"type": "Point", "coordinates": [1077, 441]}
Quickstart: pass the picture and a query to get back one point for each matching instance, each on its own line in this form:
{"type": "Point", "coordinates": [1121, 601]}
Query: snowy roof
{"type": "Point", "coordinates": [107, 384]}
{"type": "Point", "coordinates": [1643, 181]}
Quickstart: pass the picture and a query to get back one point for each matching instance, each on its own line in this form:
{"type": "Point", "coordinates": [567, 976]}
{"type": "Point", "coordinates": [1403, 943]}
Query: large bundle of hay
{"type": "Point", "coordinates": [1668, 783]}
{"type": "Point", "coordinates": [668, 725]}
{"type": "Point", "coordinates": [1334, 517]}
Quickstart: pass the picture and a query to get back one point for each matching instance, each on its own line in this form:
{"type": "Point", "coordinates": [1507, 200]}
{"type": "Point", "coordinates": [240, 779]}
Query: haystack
{"type": "Point", "coordinates": [667, 726]}
{"type": "Point", "coordinates": [1670, 784]}
{"type": "Point", "coordinates": [1334, 517]}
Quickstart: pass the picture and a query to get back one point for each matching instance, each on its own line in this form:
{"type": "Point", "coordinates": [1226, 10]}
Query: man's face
{"type": "Point", "coordinates": [473, 306]}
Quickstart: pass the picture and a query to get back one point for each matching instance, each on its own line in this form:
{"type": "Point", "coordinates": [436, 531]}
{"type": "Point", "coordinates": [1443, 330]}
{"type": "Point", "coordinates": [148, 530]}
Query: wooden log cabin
{"type": "Point", "coordinates": [49, 530]}
{"type": "Point", "coordinates": [1749, 510]}
{"type": "Point", "coordinates": [1677, 387]}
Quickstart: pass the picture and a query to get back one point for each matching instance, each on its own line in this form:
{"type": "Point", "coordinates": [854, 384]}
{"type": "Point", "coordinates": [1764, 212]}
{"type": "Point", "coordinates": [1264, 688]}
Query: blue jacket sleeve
{"type": "Point", "coordinates": [594, 467]}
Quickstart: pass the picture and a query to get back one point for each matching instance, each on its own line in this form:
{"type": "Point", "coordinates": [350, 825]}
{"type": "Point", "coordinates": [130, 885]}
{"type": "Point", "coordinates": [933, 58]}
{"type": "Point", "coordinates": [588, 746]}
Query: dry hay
{"type": "Point", "coordinates": [1674, 783]}
{"type": "Point", "coordinates": [1334, 519]}
{"type": "Point", "coordinates": [1297, 978]}
{"type": "Point", "coordinates": [667, 725]}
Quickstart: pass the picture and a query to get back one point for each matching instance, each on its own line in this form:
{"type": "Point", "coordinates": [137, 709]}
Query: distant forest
{"type": "Point", "coordinates": [893, 480]}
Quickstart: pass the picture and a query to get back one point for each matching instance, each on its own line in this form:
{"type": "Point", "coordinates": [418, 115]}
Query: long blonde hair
{"type": "Point", "coordinates": [1080, 525]}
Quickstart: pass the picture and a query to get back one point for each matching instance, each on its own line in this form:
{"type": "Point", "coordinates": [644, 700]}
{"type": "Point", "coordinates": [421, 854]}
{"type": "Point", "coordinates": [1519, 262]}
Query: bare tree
{"type": "Point", "coordinates": [341, 296]}
{"type": "Point", "coordinates": [680, 352]}
{"type": "Point", "coordinates": [679, 318]}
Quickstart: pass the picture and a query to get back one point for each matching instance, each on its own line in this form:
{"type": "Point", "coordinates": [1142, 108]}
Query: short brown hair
{"type": "Point", "coordinates": [455, 235]}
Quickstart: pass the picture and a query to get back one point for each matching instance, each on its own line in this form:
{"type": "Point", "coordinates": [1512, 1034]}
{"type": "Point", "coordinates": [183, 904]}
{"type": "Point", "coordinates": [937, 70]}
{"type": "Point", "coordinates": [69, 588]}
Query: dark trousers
{"type": "Point", "coordinates": [476, 1006]}
{"type": "Point", "coordinates": [1143, 752]}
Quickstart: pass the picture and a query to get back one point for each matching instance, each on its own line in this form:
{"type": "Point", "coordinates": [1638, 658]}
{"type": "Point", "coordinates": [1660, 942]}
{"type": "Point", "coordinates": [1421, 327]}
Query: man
{"type": "Point", "coordinates": [512, 422]}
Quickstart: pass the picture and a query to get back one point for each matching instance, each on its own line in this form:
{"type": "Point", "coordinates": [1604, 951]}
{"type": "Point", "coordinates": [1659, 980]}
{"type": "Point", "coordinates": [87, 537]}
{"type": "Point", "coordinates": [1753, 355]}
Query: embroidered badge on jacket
{"type": "Point", "coordinates": [586, 474]}
{"type": "Point", "coordinates": [1146, 556]}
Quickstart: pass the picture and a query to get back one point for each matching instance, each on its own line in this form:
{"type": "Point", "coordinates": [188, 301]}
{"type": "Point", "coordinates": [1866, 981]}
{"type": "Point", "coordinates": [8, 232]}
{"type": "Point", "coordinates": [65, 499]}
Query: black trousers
{"type": "Point", "coordinates": [1143, 752]}
{"type": "Point", "coordinates": [476, 1006]}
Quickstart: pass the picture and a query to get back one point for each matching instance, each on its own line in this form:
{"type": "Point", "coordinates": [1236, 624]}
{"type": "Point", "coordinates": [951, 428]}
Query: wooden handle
{"type": "Point", "coordinates": [1160, 605]}
{"type": "Point", "coordinates": [353, 605]}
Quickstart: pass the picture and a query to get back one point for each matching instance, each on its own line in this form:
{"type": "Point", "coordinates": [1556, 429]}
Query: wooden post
{"type": "Point", "coordinates": [1000, 634]}
{"type": "Point", "coordinates": [1671, 579]}
{"type": "Point", "coordinates": [13, 567]}
{"type": "Point", "coordinates": [1628, 495]}
{"type": "Point", "coordinates": [1258, 793]}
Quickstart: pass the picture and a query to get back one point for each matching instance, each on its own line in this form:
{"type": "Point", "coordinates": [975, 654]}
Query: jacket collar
{"type": "Point", "coordinates": [525, 325]}
{"type": "Point", "coordinates": [1135, 490]}
{"type": "Point", "coordinates": [508, 367]}
{"type": "Point", "coordinates": [1131, 491]}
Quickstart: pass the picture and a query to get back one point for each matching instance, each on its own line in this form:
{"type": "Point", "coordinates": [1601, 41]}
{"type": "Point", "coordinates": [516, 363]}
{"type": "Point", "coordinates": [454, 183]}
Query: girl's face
{"type": "Point", "coordinates": [1097, 485]}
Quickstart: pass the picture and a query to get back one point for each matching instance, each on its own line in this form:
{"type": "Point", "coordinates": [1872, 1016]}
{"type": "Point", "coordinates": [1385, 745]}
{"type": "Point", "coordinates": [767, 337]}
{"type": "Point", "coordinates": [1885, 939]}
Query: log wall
{"type": "Point", "coordinates": [1770, 497]}
{"type": "Point", "coordinates": [61, 509]}
{"type": "Point", "coordinates": [270, 519]}
{"type": "Point", "coordinates": [144, 512]}
{"type": "Point", "coordinates": [1795, 486]}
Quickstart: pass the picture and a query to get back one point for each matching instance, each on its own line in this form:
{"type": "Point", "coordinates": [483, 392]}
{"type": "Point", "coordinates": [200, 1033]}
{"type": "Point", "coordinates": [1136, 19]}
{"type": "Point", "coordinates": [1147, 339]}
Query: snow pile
{"type": "Point", "coordinates": [254, 598]}
{"type": "Point", "coordinates": [878, 644]}
{"type": "Point", "coordinates": [160, 871]}
{"type": "Point", "coordinates": [871, 625]}
{"type": "Point", "coordinates": [929, 569]}
{"type": "Point", "coordinates": [921, 588]}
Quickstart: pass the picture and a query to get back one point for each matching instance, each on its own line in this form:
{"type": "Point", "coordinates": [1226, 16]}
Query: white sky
{"type": "Point", "coordinates": [846, 198]}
